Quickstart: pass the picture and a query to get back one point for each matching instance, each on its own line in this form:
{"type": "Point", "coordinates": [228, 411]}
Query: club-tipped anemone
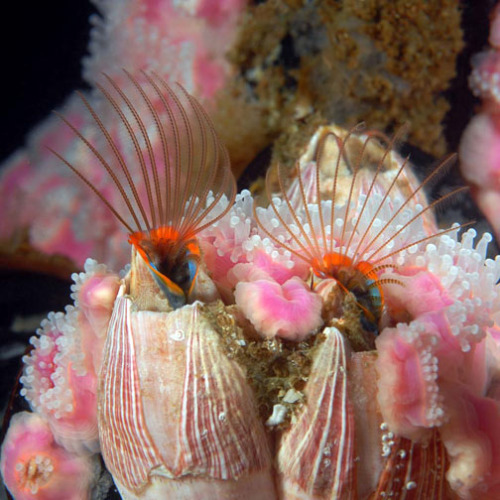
{"type": "Point", "coordinates": [291, 311]}
{"type": "Point", "coordinates": [171, 171]}
{"type": "Point", "coordinates": [94, 293]}
{"type": "Point", "coordinates": [437, 367]}
{"type": "Point", "coordinates": [58, 385]}
{"type": "Point", "coordinates": [359, 226]}
{"type": "Point", "coordinates": [235, 249]}
{"type": "Point", "coordinates": [34, 466]}
{"type": "Point", "coordinates": [60, 372]}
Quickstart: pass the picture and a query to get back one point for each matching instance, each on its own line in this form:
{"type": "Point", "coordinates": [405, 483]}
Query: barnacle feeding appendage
{"type": "Point", "coordinates": [184, 179]}
{"type": "Point", "coordinates": [345, 236]}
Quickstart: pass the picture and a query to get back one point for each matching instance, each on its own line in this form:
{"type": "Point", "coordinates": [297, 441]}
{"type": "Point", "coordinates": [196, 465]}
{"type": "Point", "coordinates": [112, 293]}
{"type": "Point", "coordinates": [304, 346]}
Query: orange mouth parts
{"type": "Point", "coordinates": [173, 261]}
{"type": "Point", "coordinates": [360, 278]}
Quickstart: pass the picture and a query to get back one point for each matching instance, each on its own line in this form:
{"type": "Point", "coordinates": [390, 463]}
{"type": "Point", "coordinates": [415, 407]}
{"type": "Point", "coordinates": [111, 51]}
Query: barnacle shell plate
{"type": "Point", "coordinates": [176, 416]}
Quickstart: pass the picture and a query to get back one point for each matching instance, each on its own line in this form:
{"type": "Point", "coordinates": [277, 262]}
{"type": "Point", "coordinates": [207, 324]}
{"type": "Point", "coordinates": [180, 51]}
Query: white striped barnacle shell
{"type": "Point", "coordinates": [177, 418]}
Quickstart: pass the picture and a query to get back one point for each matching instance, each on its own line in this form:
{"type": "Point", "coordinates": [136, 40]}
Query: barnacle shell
{"type": "Point", "coordinates": [177, 418]}
{"type": "Point", "coordinates": [324, 149]}
{"type": "Point", "coordinates": [316, 456]}
{"type": "Point", "coordinates": [182, 406]}
{"type": "Point", "coordinates": [415, 470]}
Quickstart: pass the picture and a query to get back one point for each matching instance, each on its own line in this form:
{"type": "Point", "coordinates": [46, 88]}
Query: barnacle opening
{"type": "Point", "coordinates": [172, 262]}
{"type": "Point", "coordinates": [360, 281]}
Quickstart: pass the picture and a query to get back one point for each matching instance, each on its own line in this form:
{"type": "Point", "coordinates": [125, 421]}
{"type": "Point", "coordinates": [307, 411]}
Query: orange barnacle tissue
{"type": "Point", "coordinates": [171, 172]}
{"type": "Point", "coordinates": [329, 264]}
{"type": "Point", "coordinates": [172, 261]}
{"type": "Point", "coordinates": [359, 279]}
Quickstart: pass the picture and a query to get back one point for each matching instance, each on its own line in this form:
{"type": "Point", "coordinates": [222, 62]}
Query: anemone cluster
{"type": "Point", "coordinates": [337, 321]}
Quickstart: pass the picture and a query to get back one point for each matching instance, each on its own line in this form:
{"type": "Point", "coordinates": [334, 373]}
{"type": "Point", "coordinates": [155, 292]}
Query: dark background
{"type": "Point", "coordinates": [41, 44]}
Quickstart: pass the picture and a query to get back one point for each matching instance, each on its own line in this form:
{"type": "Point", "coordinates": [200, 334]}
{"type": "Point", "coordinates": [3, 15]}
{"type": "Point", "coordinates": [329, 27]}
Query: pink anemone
{"type": "Point", "coordinates": [34, 466]}
{"type": "Point", "coordinates": [265, 280]}
{"type": "Point", "coordinates": [290, 311]}
{"type": "Point", "coordinates": [480, 143]}
{"type": "Point", "coordinates": [60, 374]}
{"type": "Point", "coordinates": [439, 368]}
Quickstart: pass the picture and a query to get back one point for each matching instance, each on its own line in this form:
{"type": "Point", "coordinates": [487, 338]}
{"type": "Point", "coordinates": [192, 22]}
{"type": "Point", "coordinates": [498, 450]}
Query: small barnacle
{"type": "Point", "coordinates": [182, 182]}
{"type": "Point", "coordinates": [348, 237]}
